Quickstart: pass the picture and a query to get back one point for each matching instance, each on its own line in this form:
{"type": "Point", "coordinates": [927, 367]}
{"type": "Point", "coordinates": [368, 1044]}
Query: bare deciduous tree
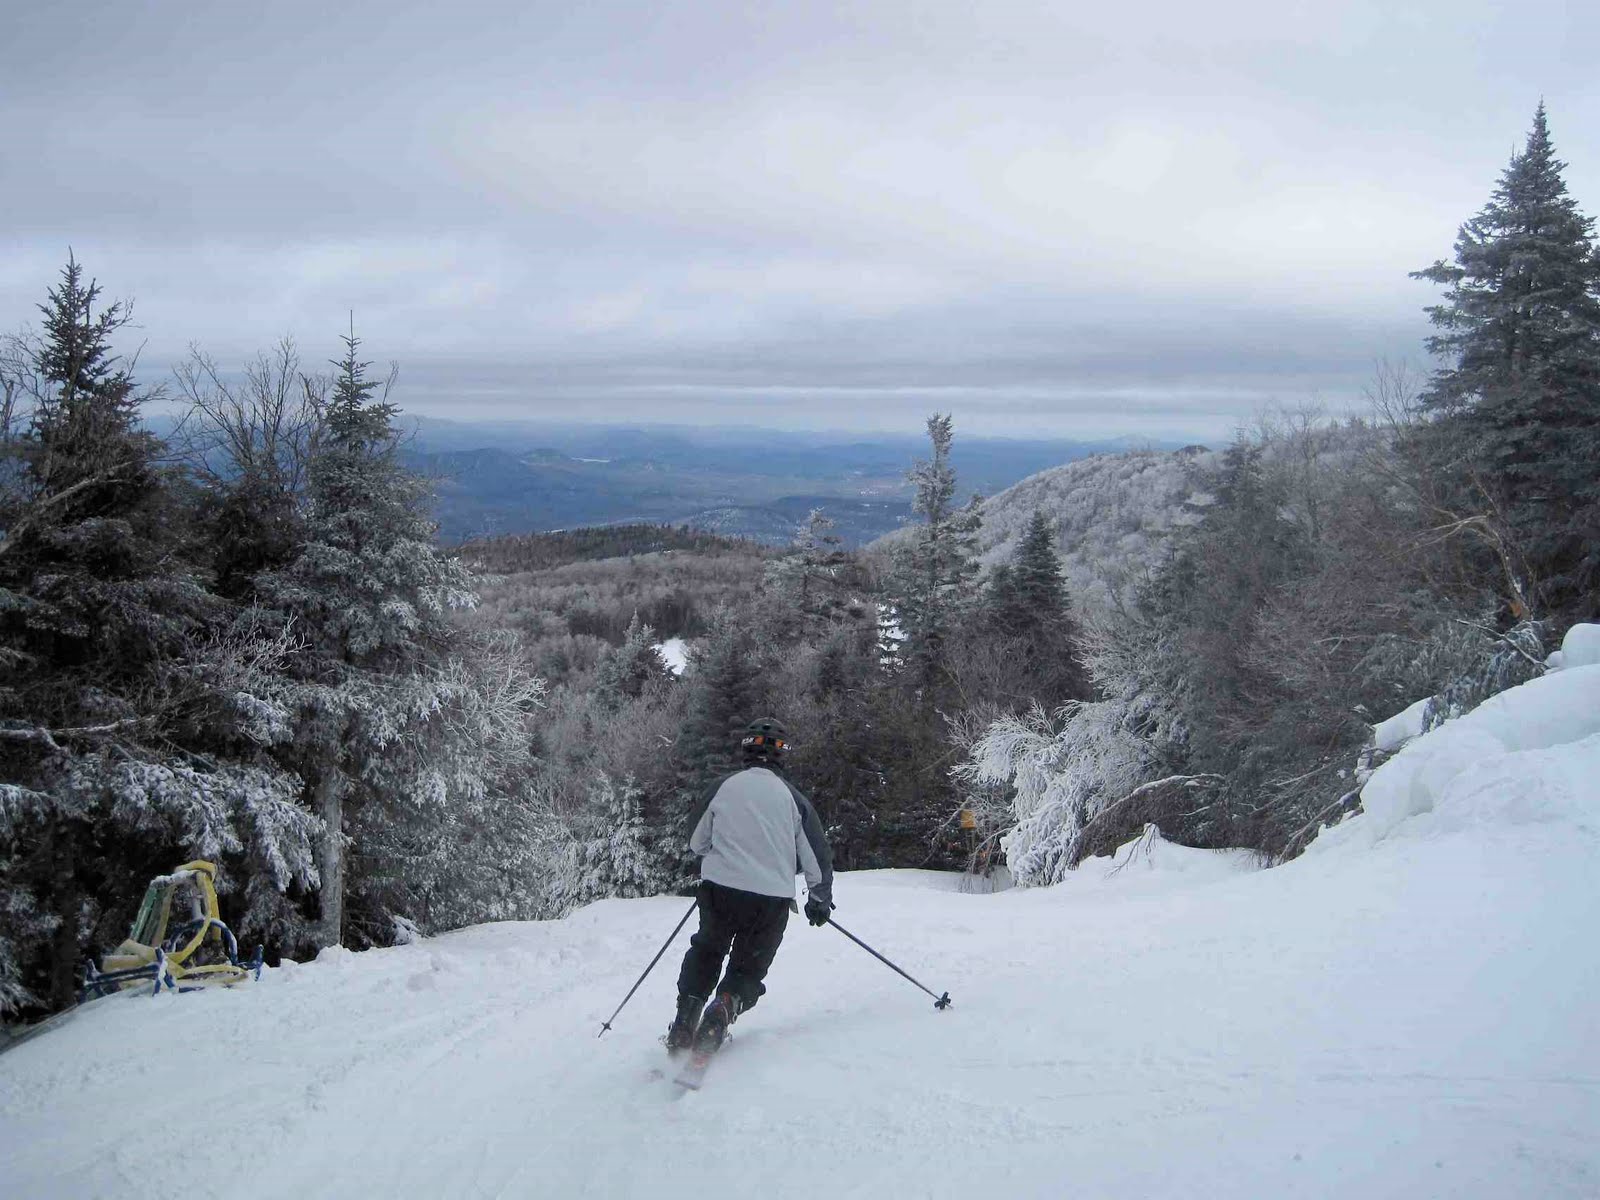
{"type": "Point", "coordinates": [261, 423]}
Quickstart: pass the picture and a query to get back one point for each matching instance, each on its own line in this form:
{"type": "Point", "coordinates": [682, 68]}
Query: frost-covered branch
{"type": "Point", "coordinates": [51, 738]}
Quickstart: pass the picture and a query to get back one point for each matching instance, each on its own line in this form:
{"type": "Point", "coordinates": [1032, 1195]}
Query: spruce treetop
{"type": "Point", "coordinates": [75, 354]}
{"type": "Point", "coordinates": [1522, 291]}
{"type": "Point", "coordinates": [1517, 399]}
{"type": "Point", "coordinates": [83, 436]}
{"type": "Point", "coordinates": [355, 419]}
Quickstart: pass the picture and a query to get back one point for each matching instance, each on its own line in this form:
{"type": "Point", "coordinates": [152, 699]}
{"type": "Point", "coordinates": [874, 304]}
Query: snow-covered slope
{"type": "Point", "coordinates": [1409, 1011]}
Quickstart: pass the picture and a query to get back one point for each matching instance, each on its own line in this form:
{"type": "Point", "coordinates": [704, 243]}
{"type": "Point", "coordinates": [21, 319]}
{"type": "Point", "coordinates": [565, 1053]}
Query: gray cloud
{"type": "Point", "coordinates": [1050, 220]}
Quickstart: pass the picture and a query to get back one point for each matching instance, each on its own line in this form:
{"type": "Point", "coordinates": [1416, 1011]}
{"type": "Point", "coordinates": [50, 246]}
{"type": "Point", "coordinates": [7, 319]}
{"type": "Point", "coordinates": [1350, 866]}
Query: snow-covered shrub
{"type": "Point", "coordinates": [1495, 662]}
{"type": "Point", "coordinates": [612, 857]}
{"type": "Point", "coordinates": [1062, 770]}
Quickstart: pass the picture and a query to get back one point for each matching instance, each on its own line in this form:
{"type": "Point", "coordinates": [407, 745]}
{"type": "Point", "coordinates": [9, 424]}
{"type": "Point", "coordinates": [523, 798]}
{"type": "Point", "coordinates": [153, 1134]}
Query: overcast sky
{"type": "Point", "coordinates": [1138, 217]}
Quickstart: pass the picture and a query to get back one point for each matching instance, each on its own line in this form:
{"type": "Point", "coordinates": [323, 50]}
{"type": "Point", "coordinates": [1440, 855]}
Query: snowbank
{"type": "Point", "coordinates": [1399, 729]}
{"type": "Point", "coordinates": [998, 880]}
{"type": "Point", "coordinates": [1529, 755]}
{"type": "Point", "coordinates": [1146, 867]}
{"type": "Point", "coordinates": [1580, 648]}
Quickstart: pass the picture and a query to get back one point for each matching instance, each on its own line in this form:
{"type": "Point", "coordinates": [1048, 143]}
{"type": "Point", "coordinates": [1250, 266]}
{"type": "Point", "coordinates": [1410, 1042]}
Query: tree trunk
{"type": "Point", "coordinates": [69, 908]}
{"type": "Point", "coordinates": [329, 805]}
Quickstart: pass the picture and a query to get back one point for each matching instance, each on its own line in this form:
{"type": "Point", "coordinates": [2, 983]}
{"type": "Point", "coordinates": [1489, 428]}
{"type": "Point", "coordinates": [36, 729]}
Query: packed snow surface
{"type": "Point", "coordinates": [1411, 1010]}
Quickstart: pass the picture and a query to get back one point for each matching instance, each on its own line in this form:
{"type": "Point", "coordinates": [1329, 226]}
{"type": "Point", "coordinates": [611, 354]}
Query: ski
{"type": "Point", "coordinates": [693, 1073]}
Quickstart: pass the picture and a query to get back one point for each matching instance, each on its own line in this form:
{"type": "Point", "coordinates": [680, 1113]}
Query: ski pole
{"type": "Point", "coordinates": [605, 1025]}
{"type": "Point", "coordinates": [939, 1002]}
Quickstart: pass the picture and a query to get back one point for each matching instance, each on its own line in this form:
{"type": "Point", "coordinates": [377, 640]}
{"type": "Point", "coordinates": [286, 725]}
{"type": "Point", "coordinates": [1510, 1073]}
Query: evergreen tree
{"type": "Point", "coordinates": [1029, 616]}
{"type": "Point", "coordinates": [932, 589]}
{"type": "Point", "coordinates": [130, 725]}
{"type": "Point", "coordinates": [87, 455]}
{"type": "Point", "coordinates": [806, 578]}
{"type": "Point", "coordinates": [727, 692]}
{"type": "Point", "coordinates": [628, 671]}
{"type": "Point", "coordinates": [369, 597]}
{"type": "Point", "coordinates": [1519, 329]}
{"type": "Point", "coordinates": [934, 572]}
{"type": "Point", "coordinates": [1031, 593]}
{"type": "Point", "coordinates": [615, 858]}
{"type": "Point", "coordinates": [1000, 604]}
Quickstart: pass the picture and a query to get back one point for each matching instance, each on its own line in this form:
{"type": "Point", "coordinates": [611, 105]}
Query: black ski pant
{"type": "Point", "coordinates": [743, 927]}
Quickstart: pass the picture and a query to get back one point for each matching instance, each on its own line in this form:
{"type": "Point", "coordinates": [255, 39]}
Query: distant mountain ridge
{"type": "Point", "coordinates": [502, 478]}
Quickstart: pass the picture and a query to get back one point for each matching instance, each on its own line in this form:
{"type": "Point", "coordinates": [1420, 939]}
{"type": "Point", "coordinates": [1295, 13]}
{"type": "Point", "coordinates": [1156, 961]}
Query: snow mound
{"type": "Point", "coordinates": [1150, 863]}
{"type": "Point", "coordinates": [1399, 729]}
{"type": "Point", "coordinates": [998, 880]}
{"type": "Point", "coordinates": [1526, 756]}
{"type": "Point", "coordinates": [1580, 648]}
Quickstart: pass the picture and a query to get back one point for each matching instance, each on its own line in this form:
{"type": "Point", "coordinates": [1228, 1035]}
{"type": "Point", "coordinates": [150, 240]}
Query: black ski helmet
{"type": "Point", "coordinates": [765, 738]}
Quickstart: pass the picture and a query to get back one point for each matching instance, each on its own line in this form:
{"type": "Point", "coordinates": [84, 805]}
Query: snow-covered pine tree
{"type": "Point", "coordinates": [451, 839]}
{"type": "Point", "coordinates": [931, 588]}
{"type": "Point", "coordinates": [613, 856]}
{"type": "Point", "coordinates": [1498, 662]}
{"type": "Point", "coordinates": [934, 572]}
{"type": "Point", "coordinates": [1077, 780]}
{"type": "Point", "coordinates": [628, 671]}
{"type": "Point", "coordinates": [1027, 618]}
{"type": "Point", "coordinates": [127, 722]}
{"type": "Point", "coordinates": [805, 578]}
{"type": "Point", "coordinates": [1518, 396]}
{"type": "Point", "coordinates": [727, 692]}
{"type": "Point", "coordinates": [369, 597]}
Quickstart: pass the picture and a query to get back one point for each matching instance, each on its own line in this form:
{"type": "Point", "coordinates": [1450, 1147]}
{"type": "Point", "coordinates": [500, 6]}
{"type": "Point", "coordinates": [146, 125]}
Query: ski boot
{"type": "Point", "coordinates": [680, 1034]}
{"type": "Point", "coordinates": [719, 1014]}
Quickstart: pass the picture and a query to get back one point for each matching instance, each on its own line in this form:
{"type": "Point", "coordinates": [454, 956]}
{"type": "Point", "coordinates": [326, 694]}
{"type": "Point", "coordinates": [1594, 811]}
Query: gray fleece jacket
{"type": "Point", "coordinates": [756, 831]}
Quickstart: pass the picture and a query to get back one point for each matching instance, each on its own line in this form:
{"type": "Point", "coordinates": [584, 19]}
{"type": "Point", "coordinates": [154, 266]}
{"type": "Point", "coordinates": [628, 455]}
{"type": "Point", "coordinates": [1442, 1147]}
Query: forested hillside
{"type": "Point", "coordinates": [245, 642]}
{"type": "Point", "coordinates": [1112, 517]}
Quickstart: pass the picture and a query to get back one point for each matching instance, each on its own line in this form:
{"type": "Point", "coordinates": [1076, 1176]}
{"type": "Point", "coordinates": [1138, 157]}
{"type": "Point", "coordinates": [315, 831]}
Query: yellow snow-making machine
{"type": "Point", "coordinates": [177, 941]}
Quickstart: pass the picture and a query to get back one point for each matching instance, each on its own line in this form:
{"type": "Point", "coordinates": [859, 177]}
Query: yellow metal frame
{"type": "Point", "coordinates": [149, 933]}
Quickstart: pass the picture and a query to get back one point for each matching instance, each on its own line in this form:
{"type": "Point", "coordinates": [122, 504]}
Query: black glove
{"type": "Point", "coordinates": [817, 911]}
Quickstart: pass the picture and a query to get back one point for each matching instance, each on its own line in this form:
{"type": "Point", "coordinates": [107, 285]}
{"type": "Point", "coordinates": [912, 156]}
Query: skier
{"type": "Point", "coordinates": [754, 832]}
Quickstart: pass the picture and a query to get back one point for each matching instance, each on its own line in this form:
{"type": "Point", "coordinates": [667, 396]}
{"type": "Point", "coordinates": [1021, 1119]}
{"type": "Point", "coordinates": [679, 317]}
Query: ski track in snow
{"type": "Point", "coordinates": [1410, 1010]}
